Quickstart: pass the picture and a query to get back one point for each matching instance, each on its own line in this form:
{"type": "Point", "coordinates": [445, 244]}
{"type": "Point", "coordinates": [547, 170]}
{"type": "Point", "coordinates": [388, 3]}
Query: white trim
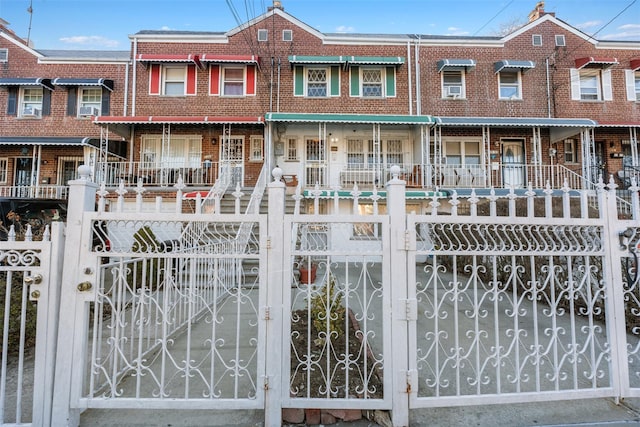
{"type": "Point", "coordinates": [630, 79]}
{"type": "Point", "coordinates": [607, 88]}
{"type": "Point", "coordinates": [21, 44]}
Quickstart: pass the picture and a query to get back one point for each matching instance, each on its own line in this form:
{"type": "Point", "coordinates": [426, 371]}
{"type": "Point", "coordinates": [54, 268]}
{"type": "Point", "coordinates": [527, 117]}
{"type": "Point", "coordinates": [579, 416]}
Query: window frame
{"type": "Point", "coordinates": [592, 75]}
{"type": "Point", "coordinates": [165, 80]}
{"type": "Point", "coordinates": [537, 37]}
{"type": "Point", "coordinates": [4, 170]}
{"type": "Point", "coordinates": [445, 85]}
{"type": "Point", "coordinates": [380, 83]}
{"type": "Point", "coordinates": [292, 153]}
{"type": "Point", "coordinates": [233, 82]}
{"type": "Point", "coordinates": [463, 153]}
{"type": "Point", "coordinates": [256, 148]}
{"type": "Point", "coordinates": [636, 80]}
{"type": "Point", "coordinates": [308, 81]}
{"type": "Point", "coordinates": [560, 40]}
{"type": "Point", "coordinates": [97, 104]}
{"type": "Point", "coordinates": [190, 152]}
{"type": "Point", "coordinates": [263, 35]}
{"type": "Point", "coordinates": [4, 55]}
{"type": "Point", "coordinates": [288, 38]}
{"type": "Point", "coordinates": [507, 85]}
{"type": "Point", "coordinates": [23, 103]}
{"type": "Point", "coordinates": [570, 149]}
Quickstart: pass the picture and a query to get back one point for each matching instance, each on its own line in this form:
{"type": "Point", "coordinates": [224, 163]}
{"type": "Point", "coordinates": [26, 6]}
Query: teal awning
{"type": "Point", "coordinates": [346, 194]}
{"type": "Point", "coordinates": [515, 122]}
{"type": "Point", "coordinates": [305, 59]}
{"type": "Point", "coordinates": [455, 64]}
{"type": "Point", "coordinates": [375, 60]}
{"type": "Point", "coordinates": [349, 118]}
{"type": "Point", "coordinates": [512, 64]}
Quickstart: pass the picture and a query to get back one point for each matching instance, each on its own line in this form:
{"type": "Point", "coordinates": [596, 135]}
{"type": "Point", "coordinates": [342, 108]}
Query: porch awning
{"type": "Point", "coordinates": [237, 59]}
{"type": "Point", "coordinates": [515, 122]}
{"type": "Point", "coordinates": [186, 58]}
{"type": "Point", "coordinates": [512, 64]}
{"type": "Point", "coordinates": [619, 124]}
{"type": "Point", "coordinates": [305, 59]}
{"type": "Point", "coordinates": [346, 194]}
{"type": "Point", "coordinates": [349, 118]}
{"type": "Point", "coordinates": [106, 83]}
{"type": "Point", "coordinates": [115, 148]}
{"type": "Point", "coordinates": [591, 61]}
{"type": "Point", "coordinates": [178, 120]}
{"type": "Point", "coordinates": [635, 64]}
{"type": "Point", "coordinates": [375, 60]}
{"type": "Point", "coordinates": [36, 81]}
{"type": "Point", "coordinates": [455, 64]}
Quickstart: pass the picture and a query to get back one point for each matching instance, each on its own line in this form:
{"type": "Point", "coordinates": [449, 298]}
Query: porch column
{"type": "Point", "coordinates": [486, 146]}
{"type": "Point", "coordinates": [633, 140]}
{"type": "Point", "coordinates": [401, 387]}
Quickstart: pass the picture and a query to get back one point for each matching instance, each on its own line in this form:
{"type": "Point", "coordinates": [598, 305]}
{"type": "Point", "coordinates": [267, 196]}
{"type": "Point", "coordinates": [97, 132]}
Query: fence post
{"type": "Point", "coordinates": [82, 197]}
{"type": "Point", "coordinates": [399, 299]}
{"type": "Point", "coordinates": [276, 283]}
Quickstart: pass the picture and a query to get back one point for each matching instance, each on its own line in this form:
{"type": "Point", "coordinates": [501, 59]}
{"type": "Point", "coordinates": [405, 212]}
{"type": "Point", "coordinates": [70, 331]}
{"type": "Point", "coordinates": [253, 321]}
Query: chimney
{"type": "Point", "coordinates": [537, 12]}
{"type": "Point", "coordinates": [277, 4]}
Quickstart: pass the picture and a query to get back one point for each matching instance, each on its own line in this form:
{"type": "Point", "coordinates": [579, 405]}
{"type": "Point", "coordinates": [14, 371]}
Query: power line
{"type": "Point", "coordinates": [492, 18]}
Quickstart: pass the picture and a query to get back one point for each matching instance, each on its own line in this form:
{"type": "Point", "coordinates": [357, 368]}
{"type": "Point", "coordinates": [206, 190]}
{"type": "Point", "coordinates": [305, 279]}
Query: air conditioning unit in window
{"type": "Point", "coordinates": [454, 91]}
{"type": "Point", "coordinates": [31, 112]}
{"type": "Point", "coordinates": [88, 111]}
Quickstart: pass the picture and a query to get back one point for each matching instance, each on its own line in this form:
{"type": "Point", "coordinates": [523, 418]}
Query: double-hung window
{"type": "Point", "coordinates": [4, 167]}
{"type": "Point", "coordinates": [316, 82]}
{"type": "Point", "coordinates": [453, 84]}
{"type": "Point", "coordinates": [291, 148]}
{"type": "Point", "coordinates": [257, 145]}
{"type": "Point", "coordinates": [355, 153]}
{"type": "Point", "coordinates": [570, 151]}
{"type": "Point", "coordinates": [394, 152]}
{"type": "Point", "coordinates": [372, 83]}
{"type": "Point", "coordinates": [233, 81]}
{"type": "Point", "coordinates": [591, 84]}
{"type": "Point", "coordinates": [633, 85]}
{"type": "Point", "coordinates": [175, 153]}
{"type": "Point", "coordinates": [173, 80]}
{"type": "Point", "coordinates": [89, 101]}
{"type": "Point", "coordinates": [31, 102]}
{"type": "Point", "coordinates": [510, 85]}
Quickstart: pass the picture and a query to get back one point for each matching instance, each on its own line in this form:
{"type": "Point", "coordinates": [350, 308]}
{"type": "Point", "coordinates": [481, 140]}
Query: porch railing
{"type": "Point", "coordinates": [36, 192]}
{"type": "Point", "coordinates": [203, 174]}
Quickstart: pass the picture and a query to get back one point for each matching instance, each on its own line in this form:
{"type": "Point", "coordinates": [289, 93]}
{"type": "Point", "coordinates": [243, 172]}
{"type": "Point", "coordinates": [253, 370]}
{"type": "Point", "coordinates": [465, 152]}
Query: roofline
{"type": "Point", "coordinates": [97, 61]}
{"type": "Point", "coordinates": [282, 14]}
{"type": "Point", "coordinates": [20, 44]}
{"type": "Point", "coordinates": [179, 38]}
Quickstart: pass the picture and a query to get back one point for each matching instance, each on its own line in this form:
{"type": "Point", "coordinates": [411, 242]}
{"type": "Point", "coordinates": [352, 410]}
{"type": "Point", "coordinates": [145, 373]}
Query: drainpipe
{"type": "Point", "coordinates": [418, 89]}
{"type": "Point", "coordinates": [271, 85]}
{"type": "Point", "coordinates": [548, 89]}
{"type": "Point", "coordinates": [126, 88]}
{"type": "Point", "coordinates": [134, 75]}
{"type": "Point", "coordinates": [409, 82]}
{"type": "Point", "coordinates": [278, 91]}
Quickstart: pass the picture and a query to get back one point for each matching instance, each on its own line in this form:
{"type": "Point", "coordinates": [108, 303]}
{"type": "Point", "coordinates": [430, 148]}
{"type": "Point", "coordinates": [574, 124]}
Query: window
{"type": "Point", "coordinates": [560, 40]}
{"type": "Point", "coordinates": [173, 81]}
{"type": "Point", "coordinates": [233, 81]}
{"type": "Point", "coordinates": [89, 101]}
{"type": "Point", "coordinates": [287, 35]}
{"type": "Point", "coordinates": [570, 151]}
{"type": "Point", "coordinates": [292, 150]}
{"type": "Point", "coordinates": [633, 85]}
{"type": "Point", "coordinates": [179, 152]}
{"type": "Point", "coordinates": [263, 35]}
{"type": "Point", "coordinates": [462, 152]}
{"type": "Point", "coordinates": [4, 55]}
{"type": "Point", "coordinates": [509, 85]}
{"type": "Point", "coordinates": [394, 154]}
{"type": "Point", "coordinates": [68, 169]}
{"type": "Point", "coordinates": [4, 166]}
{"type": "Point", "coordinates": [316, 82]}
{"type": "Point", "coordinates": [453, 84]}
{"type": "Point", "coordinates": [355, 152]}
{"type": "Point", "coordinates": [536, 40]}
{"type": "Point", "coordinates": [31, 102]}
{"type": "Point", "coordinates": [591, 84]}
{"type": "Point", "coordinates": [256, 149]}
{"type": "Point", "coordinates": [371, 83]}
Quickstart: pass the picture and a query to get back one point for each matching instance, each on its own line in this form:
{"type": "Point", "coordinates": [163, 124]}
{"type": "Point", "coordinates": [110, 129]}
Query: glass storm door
{"type": "Point", "coordinates": [513, 166]}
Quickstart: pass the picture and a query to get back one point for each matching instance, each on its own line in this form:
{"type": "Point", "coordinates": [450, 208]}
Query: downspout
{"type": "Point", "coordinates": [134, 77]}
{"type": "Point", "coordinates": [409, 82]}
{"type": "Point", "coordinates": [548, 89]}
{"type": "Point", "coordinates": [417, 71]}
{"type": "Point", "coordinates": [126, 89]}
{"type": "Point", "coordinates": [271, 85]}
{"type": "Point", "coordinates": [278, 91]}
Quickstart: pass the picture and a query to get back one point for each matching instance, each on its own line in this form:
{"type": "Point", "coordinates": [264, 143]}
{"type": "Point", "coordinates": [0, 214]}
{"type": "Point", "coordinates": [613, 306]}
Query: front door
{"type": "Point", "coordinates": [315, 166]}
{"type": "Point", "coordinates": [231, 159]}
{"type": "Point", "coordinates": [513, 166]}
{"type": "Point", "coordinates": [23, 176]}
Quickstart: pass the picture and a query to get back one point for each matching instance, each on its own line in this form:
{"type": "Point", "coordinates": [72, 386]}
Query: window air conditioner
{"type": "Point", "coordinates": [454, 91]}
{"type": "Point", "coordinates": [31, 112]}
{"type": "Point", "coordinates": [89, 111]}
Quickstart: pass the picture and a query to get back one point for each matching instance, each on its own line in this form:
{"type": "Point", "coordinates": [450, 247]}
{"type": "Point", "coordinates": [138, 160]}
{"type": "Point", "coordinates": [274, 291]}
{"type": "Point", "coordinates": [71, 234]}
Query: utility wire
{"type": "Point", "coordinates": [492, 18]}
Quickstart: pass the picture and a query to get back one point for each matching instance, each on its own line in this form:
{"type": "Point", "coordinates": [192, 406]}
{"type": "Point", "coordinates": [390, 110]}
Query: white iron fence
{"type": "Point", "coordinates": [492, 299]}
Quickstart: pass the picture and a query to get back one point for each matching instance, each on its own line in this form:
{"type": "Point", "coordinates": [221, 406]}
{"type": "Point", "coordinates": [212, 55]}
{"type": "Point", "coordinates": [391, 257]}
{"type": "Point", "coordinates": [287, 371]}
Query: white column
{"type": "Point", "coordinates": [276, 282]}
{"type": "Point", "coordinates": [82, 196]}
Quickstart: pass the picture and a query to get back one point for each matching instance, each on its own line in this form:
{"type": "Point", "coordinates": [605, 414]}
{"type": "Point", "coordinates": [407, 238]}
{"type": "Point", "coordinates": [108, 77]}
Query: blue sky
{"type": "Point", "coordinates": [106, 24]}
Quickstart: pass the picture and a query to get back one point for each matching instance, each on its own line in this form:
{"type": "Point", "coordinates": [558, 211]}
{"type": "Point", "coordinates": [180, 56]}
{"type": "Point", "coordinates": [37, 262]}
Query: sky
{"type": "Point", "coordinates": [107, 24]}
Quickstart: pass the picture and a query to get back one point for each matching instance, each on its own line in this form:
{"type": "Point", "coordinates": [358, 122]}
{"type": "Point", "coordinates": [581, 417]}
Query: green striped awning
{"type": "Point", "coordinates": [375, 60]}
{"type": "Point", "coordinates": [349, 118]}
{"type": "Point", "coordinates": [306, 59]}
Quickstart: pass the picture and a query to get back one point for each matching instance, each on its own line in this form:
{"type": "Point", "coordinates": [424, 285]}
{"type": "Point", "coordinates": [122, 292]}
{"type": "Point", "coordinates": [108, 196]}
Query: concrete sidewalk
{"type": "Point", "coordinates": [592, 412]}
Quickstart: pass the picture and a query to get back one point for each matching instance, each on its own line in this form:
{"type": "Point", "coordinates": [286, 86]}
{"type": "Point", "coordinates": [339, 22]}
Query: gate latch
{"type": "Point", "coordinates": [84, 286]}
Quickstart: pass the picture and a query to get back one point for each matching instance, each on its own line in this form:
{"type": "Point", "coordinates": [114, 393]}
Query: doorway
{"type": "Point", "coordinates": [513, 163]}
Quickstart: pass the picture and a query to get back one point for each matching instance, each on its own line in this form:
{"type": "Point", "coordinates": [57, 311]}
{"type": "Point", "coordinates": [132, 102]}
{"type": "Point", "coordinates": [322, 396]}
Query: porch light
{"type": "Point", "coordinates": [24, 151]}
{"type": "Point", "coordinates": [214, 141]}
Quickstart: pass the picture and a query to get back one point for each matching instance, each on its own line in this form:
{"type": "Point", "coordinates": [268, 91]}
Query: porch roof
{"type": "Point", "coordinates": [116, 148]}
{"type": "Point", "coordinates": [619, 124]}
{"type": "Point", "coordinates": [160, 58]}
{"type": "Point", "coordinates": [106, 83]}
{"type": "Point", "coordinates": [375, 60]}
{"type": "Point", "coordinates": [349, 118]}
{"type": "Point", "coordinates": [598, 62]}
{"type": "Point", "coordinates": [346, 194]}
{"type": "Point", "coordinates": [515, 122]}
{"type": "Point", "coordinates": [132, 120]}
{"type": "Point", "coordinates": [238, 59]}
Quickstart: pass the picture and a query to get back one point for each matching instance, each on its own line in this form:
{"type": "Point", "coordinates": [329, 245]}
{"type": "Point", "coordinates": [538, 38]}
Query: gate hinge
{"type": "Point", "coordinates": [268, 242]}
{"type": "Point", "coordinates": [265, 382]}
{"type": "Point", "coordinates": [407, 240]}
{"type": "Point", "coordinates": [411, 380]}
{"type": "Point", "coordinates": [410, 309]}
{"type": "Point", "coordinates": [266, 312]}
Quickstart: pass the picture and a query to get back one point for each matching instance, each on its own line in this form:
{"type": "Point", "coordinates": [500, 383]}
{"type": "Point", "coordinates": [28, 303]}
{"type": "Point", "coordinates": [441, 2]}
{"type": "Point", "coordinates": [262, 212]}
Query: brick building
{"type": "Point", "coordinates": [544, 104]}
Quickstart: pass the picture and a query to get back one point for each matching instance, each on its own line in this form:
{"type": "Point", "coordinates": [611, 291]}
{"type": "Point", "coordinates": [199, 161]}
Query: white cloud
{"type": "Point", "coordinates": [588, 24]}
{"type": "Point", "coordinates": [95, 41]}
{"type": "Point", "coordinates": [624, 32]}
{"type": "Point", "coordinates": [165, 28]}
{"type": "Point", "coordinates": [345, 29]}
{"type": "Point", "coordinates": [455, 31]}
